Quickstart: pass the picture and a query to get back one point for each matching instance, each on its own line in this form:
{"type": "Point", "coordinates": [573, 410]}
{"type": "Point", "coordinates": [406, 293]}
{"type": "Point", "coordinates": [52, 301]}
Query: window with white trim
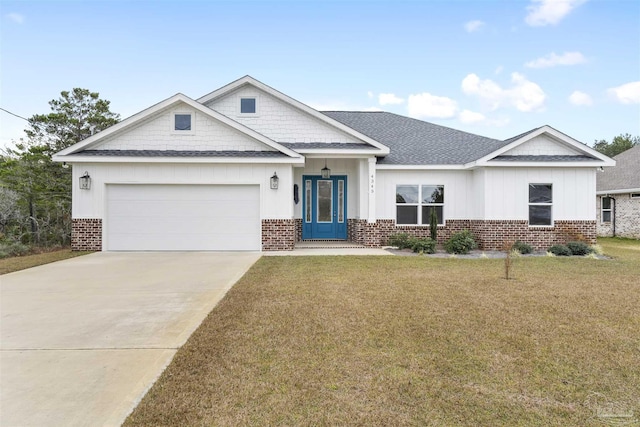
{"type": "Point", "coordinates": [605, 210]}
{"type": "Point", "coordinates": [540, 204]}
{"type": "Point", "coordinates": [183, 123]}
{"type": "Point", "coordinates": [414, 204]}
{"type": "Point", "coordinates": [248, 105]}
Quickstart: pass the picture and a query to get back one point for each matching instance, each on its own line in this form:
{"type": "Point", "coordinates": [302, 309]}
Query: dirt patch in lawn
{"type": "Point", "coordinates": [380, 341]}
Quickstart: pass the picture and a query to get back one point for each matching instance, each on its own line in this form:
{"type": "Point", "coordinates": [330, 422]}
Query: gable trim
{"type": "Point", "coordinates": [167, 103]}
{"type": "Point", "coordinates": [248, 80]}
{"type": "Point", "coordinates": [600, 159]}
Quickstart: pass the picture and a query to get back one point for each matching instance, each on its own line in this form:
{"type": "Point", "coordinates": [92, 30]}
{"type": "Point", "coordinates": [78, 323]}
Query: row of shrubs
{"type": "Point", "coordinates": [9, 249]}
{"type": "Point", "coordinates": [463, 242]}
{"type": "Point", "coordinates": [459, 243]}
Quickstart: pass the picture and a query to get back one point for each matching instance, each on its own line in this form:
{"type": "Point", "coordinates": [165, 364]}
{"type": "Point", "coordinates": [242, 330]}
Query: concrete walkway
{"type": "Point", "coordinates": [82, 340]}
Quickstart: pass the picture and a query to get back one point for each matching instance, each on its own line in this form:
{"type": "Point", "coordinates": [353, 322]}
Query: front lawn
{"type": "Point", "coordinates": [392, 341]}
{"type": "Point", "coordinates": [11, 264]}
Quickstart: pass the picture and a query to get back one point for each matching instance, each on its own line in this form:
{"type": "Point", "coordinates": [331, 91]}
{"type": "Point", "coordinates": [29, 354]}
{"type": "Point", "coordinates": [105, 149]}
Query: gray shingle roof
{"type": "Point", "coordinates": [175, 153]}
{"type": "Point", "coordinates": [625, 174]}
{"type": "Point", "coordinates": [414, 142]}
{"type": "Point", "coordinates": [549, 158]}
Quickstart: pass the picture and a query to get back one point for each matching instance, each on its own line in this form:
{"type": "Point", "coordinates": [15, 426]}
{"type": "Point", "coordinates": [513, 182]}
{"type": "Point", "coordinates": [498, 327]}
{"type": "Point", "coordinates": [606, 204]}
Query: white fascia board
{"type": "Point", "coordinates": [136, 118]}
{"type": "Point", "coordinates": [123, 159]}
{"type": "Point", "coordinates": [622, 191]}
{"type": "Point", "coordinates": [318, 152]}
{"type": "Point", "coordinates": [384, 150]}
{"type": "Point", "coordinates": [585, 164]}
{"type": "Point", "coordinates": [603, 160]}
{"type": "Point", "coordinates": [420, 167]}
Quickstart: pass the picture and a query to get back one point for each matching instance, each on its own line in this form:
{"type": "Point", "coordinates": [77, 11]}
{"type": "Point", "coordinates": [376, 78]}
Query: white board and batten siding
{"type": "Point", "coordinates": [495, 193]}
{"type": "Point", "coordinates": [175, 217]}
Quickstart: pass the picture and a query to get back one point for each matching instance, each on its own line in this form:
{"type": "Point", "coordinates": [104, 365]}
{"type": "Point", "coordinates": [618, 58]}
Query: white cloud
{"type": "Point", "coordinates": [469, 117]}
{"type": "Point", "coordinates": [370, 95]}
{"type": "Point", "coordinates": [580, 98]}
{"type": "Point", "coordinates": [16, 17]}
{"type": "Point", "coordinates": [524, 95]}
{"type": "Point", "coordinates": [546, 12]}
{"type": "Point", "coordinates": [473, 26]}
{"type": "Point", "coordinates": [553, 59]}
{"type": "Point", "coordinates": [424, 105]}
{"type": "Point", "coordinates": [389, 98]}
{"type": "Point", "coordinates": [628, 93]}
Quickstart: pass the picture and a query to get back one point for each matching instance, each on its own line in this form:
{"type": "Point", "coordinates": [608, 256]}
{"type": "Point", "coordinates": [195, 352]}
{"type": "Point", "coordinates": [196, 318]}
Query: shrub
{"type": "Point", "coordinates": [579, 248]}
{"type": "Point", "coordinates": [460, 243]}
{"type": "Point", "coordinates": [522, 247]}
{"type": "Point", "coordinates": [400, 240]}
{"type": "Point", "coordinates": [13, 249]}
{"type": "Point", "coordinates": [423, 245]}
{"type": "Point", "coordinates": [560, 250]}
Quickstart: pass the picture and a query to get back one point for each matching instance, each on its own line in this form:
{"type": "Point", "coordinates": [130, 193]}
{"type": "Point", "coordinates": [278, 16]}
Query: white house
{"type": "Point", "coordinates": [618, 201]}
{"type": "Point", "coordinates": [249, 168]}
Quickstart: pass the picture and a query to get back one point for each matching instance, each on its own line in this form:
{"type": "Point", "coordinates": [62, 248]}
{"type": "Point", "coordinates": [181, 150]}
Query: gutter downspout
{"type": "Point", "coordinates": [613, 214]}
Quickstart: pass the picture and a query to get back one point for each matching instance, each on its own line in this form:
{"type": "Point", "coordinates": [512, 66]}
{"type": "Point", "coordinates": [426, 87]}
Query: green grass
{"type": "Point", "coordinates": [9, 265]}
{"type": "Point", "coordinates": [381, 341]}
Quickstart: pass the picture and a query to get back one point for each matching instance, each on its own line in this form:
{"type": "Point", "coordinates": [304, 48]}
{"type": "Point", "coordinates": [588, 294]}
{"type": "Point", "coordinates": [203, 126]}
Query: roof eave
{"type": "Point", "coordinates": [78, 158]}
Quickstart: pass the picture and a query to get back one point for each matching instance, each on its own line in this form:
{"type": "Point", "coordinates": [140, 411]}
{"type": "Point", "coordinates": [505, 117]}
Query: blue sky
{"type": "Point", "coordinates": [495, 68]}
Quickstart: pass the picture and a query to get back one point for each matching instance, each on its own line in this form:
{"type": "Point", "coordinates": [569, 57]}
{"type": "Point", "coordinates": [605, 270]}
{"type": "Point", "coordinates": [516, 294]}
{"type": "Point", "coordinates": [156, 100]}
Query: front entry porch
{"type": "Point", "coordinates": [324, 207]}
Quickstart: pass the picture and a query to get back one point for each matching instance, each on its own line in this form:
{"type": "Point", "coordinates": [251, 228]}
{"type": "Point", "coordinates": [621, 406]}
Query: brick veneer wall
{"type": "Point", "coordinates": [627, 216]}
{"type": "Point", "coordinates": [278, 234]}
{"type": "Point", "coordinates": [86, 234]}
{"type": "Point", "coordinates": [490, 234]}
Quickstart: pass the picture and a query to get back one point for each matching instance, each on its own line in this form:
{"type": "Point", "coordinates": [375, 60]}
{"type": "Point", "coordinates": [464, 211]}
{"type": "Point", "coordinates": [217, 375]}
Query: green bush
{"type": "Point", "coordinates": [560, 250]}
{"type": "Point", "coordinates": [522, 247]}
{"type": "Point", "coordinates": [460, 243]}
{"type": "Point", "coordinates": [579, 248]}
{"type": "Point", "coordinates": [423, 245]}
{"type": "Point", "coordinates": [400, 240]}
{"type": "Point", "coordinates": [13, 249]}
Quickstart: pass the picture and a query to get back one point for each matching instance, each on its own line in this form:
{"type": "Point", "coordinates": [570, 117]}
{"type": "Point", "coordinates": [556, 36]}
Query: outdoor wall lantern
{"type": "Point", "coordinates": [274, 181]}
{"type": "Point", "coordinates": [325, 172]}
{"type": "Point", "coordinates": [85, 181]}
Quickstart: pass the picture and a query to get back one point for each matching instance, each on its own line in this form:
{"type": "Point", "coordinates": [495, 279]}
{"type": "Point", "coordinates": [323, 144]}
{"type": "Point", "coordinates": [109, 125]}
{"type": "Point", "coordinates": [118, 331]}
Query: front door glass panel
{"type": "Point", "coordinates": [325, 201]}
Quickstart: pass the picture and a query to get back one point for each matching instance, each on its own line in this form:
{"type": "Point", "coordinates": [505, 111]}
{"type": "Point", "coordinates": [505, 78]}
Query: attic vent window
{"type": "Point", "coordinates": [247, 106]}
{"type": "Point", "coordinates": [182, 122]}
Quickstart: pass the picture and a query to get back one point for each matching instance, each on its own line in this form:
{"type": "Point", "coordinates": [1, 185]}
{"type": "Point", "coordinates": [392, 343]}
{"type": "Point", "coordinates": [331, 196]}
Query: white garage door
{"type": "Point", "coordinates": [183, 218]}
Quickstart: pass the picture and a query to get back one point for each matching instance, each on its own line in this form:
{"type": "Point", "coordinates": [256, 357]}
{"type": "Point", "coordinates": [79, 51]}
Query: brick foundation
{"type": "Point", "coordinates": [279, 234]}
{"type": "Point", "coordinates": [490, 234]}
{"type": "Point", "coordinates": [86, 234]}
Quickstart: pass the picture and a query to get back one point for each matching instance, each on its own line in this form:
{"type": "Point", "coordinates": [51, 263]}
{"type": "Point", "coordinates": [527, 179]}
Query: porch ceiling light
{"type": "Point", "coordinates": [325, 172]}
{"type": "Point", "coordinates": [274, 181]}
{"type": "Point", "coordinates": [85, 181]}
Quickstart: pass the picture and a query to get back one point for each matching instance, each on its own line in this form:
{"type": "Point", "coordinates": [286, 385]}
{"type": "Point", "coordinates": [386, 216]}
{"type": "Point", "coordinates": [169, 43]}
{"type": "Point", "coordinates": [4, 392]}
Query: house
{"type": "Point", "coordinates": [618, 196]}
{"type": "Point", "coordinates": [247, 167]}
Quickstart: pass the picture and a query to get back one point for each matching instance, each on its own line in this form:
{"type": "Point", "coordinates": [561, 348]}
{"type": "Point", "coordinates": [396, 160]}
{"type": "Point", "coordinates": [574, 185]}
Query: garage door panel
{"type": "Point", "coordinates": [183, 217]}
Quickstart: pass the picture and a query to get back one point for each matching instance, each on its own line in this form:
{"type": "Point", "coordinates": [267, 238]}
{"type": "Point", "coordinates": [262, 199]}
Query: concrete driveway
{"type": "Point", "coordinates": [83, 339]}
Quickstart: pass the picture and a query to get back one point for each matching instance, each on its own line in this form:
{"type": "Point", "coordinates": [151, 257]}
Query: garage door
{"type": "Point", "coordinates": [182, 218]}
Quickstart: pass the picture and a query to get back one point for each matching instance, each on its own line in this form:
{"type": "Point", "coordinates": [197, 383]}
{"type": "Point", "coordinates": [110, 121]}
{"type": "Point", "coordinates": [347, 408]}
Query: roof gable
{"type": "Point", "coordinates": [283, 118]}
{"type": "Point", "coordinates": [108, 139]}
{"type": "Point", "coordinates": [544, 145]}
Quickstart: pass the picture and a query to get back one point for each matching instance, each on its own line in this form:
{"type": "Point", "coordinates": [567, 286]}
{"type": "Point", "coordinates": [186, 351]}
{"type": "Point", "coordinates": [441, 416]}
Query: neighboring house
{"type": "Point", "coordinates": [618, 196]}
{"type": "Point", "coordinates": [249, 168]}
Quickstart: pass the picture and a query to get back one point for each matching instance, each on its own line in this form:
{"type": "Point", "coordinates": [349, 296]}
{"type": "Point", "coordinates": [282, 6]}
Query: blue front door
{"type": "Point", "coordinates": [324, 207]}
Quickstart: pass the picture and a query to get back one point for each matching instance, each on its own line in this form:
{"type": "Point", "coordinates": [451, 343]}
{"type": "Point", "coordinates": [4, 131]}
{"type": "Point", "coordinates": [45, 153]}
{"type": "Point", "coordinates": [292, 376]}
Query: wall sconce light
{"type": "Point", "coordinates": [85, 181]}
{"type": "Point", "coordinates": [325, 172]}
{"type": "Point", "coordinates": [274, 181]}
